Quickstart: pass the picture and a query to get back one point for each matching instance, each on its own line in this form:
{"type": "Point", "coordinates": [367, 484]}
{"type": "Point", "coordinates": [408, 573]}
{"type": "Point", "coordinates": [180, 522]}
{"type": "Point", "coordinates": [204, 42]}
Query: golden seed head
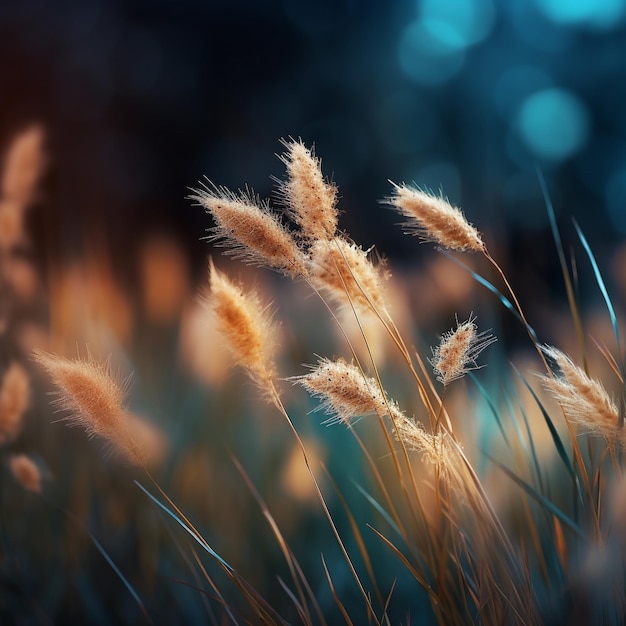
{"type": "Point", "coordinates": [346, 392]}
{"type": "Point", "coordinates": [95, 402]}
{"type": "Point", "coordinates": [435, 219]}
{"type": "Point", "coordinates": [311, 201]}
{"type": "Point", "coordinates": [343, 271]}
{"type": "Point", "coordinates": [251, 230]}
{"type": "Point", "coordinates": [14, 400]}
{"type": "Point", "coordinates": [456, 354]}
{"type": "Point", "coordinates": [26, 472]}
{"type": "Point", "coordinates": [584, 401]}
{"type": "Point", "coordinates": [245, 325]}
{"type": "Point", "coordinates": [22, 167]}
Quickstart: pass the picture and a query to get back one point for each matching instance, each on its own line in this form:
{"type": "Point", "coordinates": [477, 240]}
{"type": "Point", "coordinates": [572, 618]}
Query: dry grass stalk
{"type": "Point", "coordinates": [14, 400]}
{"type": "Point", "coordinates": [435, 219]}
{"type": "Point", "coordinates": [95, 402]}
{"type": "Point", "coordinates": [459, 348]}
{"type": "Point", "coordinates": [26, 472]}
{"type": "Point", "coordinates": [584, 401]}
{"type": "Point", "coordinates": [342, 271]}
{"type": "Point", "coordinates": [252, 231]}
{"type": "Point", "coordinates": [311, 201]}
{"type": "Point", "coordinates": [346, 392]}
{"type": "Point", "coordinates": [246, 327]}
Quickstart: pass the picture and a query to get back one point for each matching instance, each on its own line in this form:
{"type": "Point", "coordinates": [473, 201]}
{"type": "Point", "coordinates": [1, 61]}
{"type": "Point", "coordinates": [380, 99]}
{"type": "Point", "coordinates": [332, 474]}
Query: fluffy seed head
{"type": "Point", "coordinates": [435, 219]}
{"type": "Point", "coordinates": [343, 271]}
{"type": "Point", "coordinates": [245, 326]}
{"type": "Point", "coordinates": [583, 400]}
{"type": "Point", "coordinates": [346, 392]}
{"type": "Point", "coordinates": [14, 400]}
{"type": "Point", "coordinates": [26, 472]}
{"type": "Point", "coordinates": [311, 201]}
{"type": "Point", "coordinates": [94, 401]}
{"type": "Point", "coordinates": [22, 166]}
{"type": "Point", "coordinates": [251, 230]}
{"type": "Point", "coordinates": [456, 354]}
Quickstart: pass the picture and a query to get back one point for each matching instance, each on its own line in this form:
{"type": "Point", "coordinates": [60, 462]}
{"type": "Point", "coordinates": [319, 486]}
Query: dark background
{"type": "Point", "coordinates": [141, 99]}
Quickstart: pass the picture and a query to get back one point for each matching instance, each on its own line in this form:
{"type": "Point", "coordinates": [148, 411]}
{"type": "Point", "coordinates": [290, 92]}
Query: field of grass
{"type": "Point", "coordinates": [335, 440]}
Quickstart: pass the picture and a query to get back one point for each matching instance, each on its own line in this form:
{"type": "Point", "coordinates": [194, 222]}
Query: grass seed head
{"type": "Point", "coordinates": [22, 167]}
{"type": "Point", "coordinates": [583, 400]}
{"type": "Point", "coordinates": [245, 325]}
{"type": "Point", "coordinates": [26, 472]}
{"type": "Point", "coordinates": [251, 230]}
{"type": "Point", "coordinates": [459, 348]}
{"type": "Point", "coordinates": [14, 400]}
{"type": "Point", "coordinates": [311, 201]}
{"type": "Point", "coordinates": [343, 271]}
{"type": "Point", "coordinates": [94, 401]}
{"type": "Point", "coordinates": [346, 392]}
{"type": "Point", "coordinates": [434, 219]}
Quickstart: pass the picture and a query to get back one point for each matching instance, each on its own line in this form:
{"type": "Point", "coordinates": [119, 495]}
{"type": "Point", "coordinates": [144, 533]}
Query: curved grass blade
{"type": "Point", "coordinates": [600, 281]}
{"type": "Point", "coordinates": [529, 435]}
{"type": "Point", "coordinates": [106, 556]}
{"type": "Point", "coordinates": [336, 598]}
{"type": "Point", "coordinates": [556, 438]}
{"type": "Point", "coordinates": [358, 537]}
{"type": "Point", "coordinates": [492, 407]}
{"type": "Point", "coordinates": [539, 498]}
{"type": "Point", "coordinates": [121, 576]}
{"type": "Point", "coordinates": [503, 299]}
{"type": "Point", "coordinates": [380, 509]}
{"type": "Point", "coordinates": [569, 289]}
{"type": "Point", "coordinates": [265, 612]}
{"type": "Point", "coordinates": [195, 535]}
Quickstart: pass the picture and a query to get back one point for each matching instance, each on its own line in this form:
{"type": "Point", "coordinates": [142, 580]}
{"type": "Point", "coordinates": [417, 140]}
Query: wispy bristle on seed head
{"type": "Point", "coordinates": [343, 271]}
{"type": "Point", "coordinates": [245, 325]}
{"type": "Point", "coordinates": [94, 401]}
{"type": "Point", "coordinates": [346, 392]}
{"type": "Point", "coordinates": [14, 400]}
{"type": "Point", "coordinates": [251, 230]}
{"type": "Point", "coordinates": [584, 401]}
{"type": "Point", "coordinates": [435, 219]}
{"type": "Point", "coordinates": [437, 450]}
{"type": "Point", "coordinates": [311, 201]}
{"type": "Point", "coordinates": [26, 472]}
{"type": "Point", "coordinates": [458, 350]}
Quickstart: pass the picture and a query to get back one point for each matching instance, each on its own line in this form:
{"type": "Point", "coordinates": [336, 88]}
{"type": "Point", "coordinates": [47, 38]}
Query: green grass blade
{"type": "Point", "coordinates": [503, 299]}
{"type": "Point", "coordinates": [529, 435]}
{"type": "Point", "coordinates": [571, 298]}
{"type": "Point", "coordinates": [552, 508]}
{"type": "Point", "coordinates": [121, 576]}
{"type": "Point", "coordinates": [191, 532]}
{"type": "Point", "coordinates": [600, 281]}
{"type": "Point", "coordinates": [485, 394]}
{"type": "Point", "coordinates": [379, 508]}
{"type": "Point", "coordinates": [556, 438]}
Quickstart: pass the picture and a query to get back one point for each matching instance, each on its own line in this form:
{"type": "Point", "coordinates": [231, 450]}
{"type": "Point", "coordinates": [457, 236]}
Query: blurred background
{"type": "Point", "coordinates": [127, 104]}
{"type": "Point", "coordinates": [139, 100]}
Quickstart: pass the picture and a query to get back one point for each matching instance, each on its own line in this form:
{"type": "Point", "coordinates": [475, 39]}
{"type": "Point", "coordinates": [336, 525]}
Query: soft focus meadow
{"type": "Point", "coordinates": [256, 365]}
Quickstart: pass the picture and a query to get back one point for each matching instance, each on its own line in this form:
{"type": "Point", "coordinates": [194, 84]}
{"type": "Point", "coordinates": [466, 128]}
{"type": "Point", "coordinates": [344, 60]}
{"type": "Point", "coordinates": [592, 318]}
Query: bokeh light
{"type": "Point", "coordinates": [599, 13]}
{"type": "Point", "coordinates": [553, 123]}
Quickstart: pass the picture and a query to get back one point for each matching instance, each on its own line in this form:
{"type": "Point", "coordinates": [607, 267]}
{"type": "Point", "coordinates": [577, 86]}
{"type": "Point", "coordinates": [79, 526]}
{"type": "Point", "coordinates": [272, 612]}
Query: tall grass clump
{"type": "Point", "coordinates": [447, 493]}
